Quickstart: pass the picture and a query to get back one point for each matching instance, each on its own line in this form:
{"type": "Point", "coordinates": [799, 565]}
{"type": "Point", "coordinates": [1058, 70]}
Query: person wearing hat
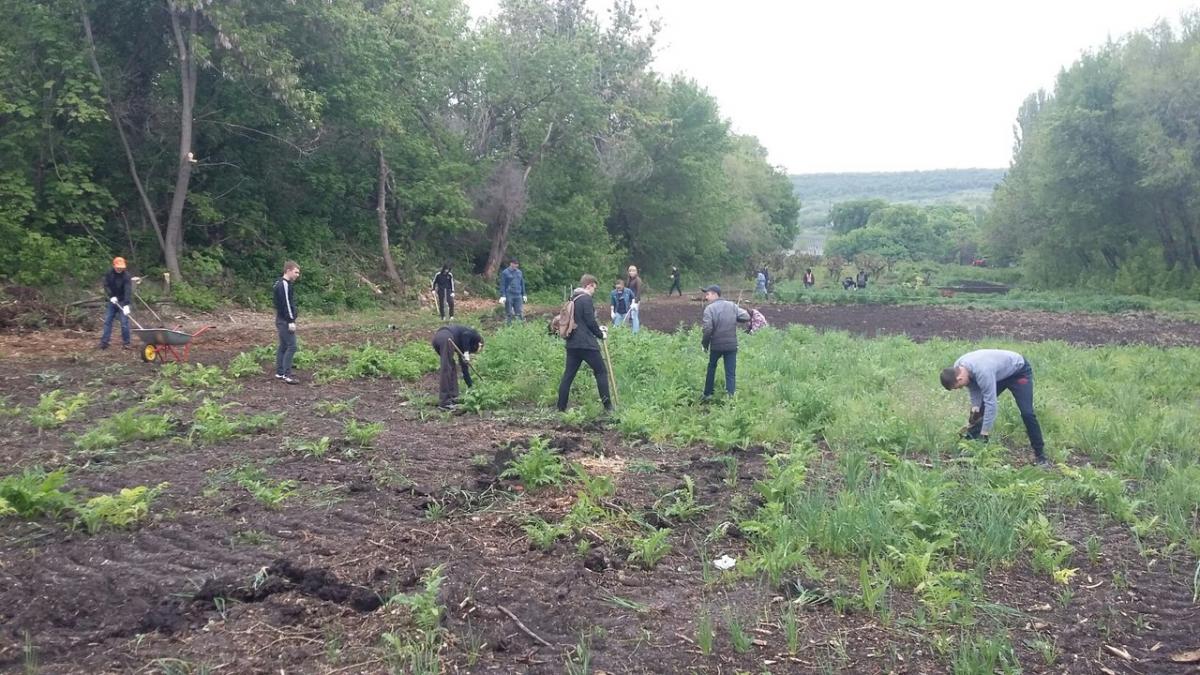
{"type": "Point", "coordinates": [719, 338]}
{"type": "Point", "coordinates": [118, 286]}
{"type": "Point", "coordinates": [512, 292]}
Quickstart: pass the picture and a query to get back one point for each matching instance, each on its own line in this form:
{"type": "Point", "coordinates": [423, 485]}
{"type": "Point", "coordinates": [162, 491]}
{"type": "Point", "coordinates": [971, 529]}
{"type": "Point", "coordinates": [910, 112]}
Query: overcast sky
{"type": "Point", "coordinates": [861, 85]}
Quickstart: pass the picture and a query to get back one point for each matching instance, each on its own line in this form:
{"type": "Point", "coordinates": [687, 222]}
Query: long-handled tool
{"type": "Point", "coordinates": [135, 321]}
{"type": "Point", "coordinates": [466, 359]}
{"type": "Point", "coordinates": [612, 378]}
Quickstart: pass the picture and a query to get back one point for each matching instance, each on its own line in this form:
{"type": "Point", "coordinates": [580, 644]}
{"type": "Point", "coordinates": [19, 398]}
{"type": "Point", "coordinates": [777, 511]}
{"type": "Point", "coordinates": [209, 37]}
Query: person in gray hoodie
{"type": "Point", "coordinates": [719, 338]}
{"type": "Point", "coordinates": [987, 373]}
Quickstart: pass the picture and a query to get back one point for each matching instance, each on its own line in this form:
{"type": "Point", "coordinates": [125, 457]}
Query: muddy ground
{"type": "Point", "coordinates": [215, 579]}
{"type": "Point", "coordinates": [959, 323]}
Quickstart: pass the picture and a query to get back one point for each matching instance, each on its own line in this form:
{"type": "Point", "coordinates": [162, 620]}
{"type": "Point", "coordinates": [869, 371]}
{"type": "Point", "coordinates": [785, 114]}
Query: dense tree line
{"type": "Point", "coordinates": [211, 139]}
{"type": "Point", "coordinates": [903, 232]}
{"type": "Point", "coordinates": [1104, 188]}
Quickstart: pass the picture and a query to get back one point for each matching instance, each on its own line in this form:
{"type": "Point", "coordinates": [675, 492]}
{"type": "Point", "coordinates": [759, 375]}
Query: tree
{"type": "Point", "coordinates": [851, 215]}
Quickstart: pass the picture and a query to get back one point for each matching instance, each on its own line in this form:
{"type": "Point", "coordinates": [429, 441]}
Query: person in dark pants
{"type": "Point", "coordinates": [675, 282]}
{"type": "Point", "coordinates": [809, 279]}
{"type": "Point", "coordinates": [512, 292]}
{"type": "Point", "coordinates": [449, 342]}
{"type": "Point", "coordinates": [285, 321]}
{"type": "Point", "coordinates": [443, 287]}
{"type": "Point", "coordinates": [583, 345]}
{"type": "Point", "coordinates": [118, 286]}
{"type": "Point", "coordinates": [987, 373]}
{"type": "Point", "coordinates": [719, 338]}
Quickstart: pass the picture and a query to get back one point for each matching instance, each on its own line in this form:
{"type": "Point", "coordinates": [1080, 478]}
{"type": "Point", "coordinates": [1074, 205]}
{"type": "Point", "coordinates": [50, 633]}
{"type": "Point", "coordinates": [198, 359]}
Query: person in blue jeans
{"type": "Point", "coordinates": [987, 373]}
{"type": "Point", "coordinates": [512, 292]}
{"type": "Point", "coordinates": [719, 338]}
{"type": "Point", "coordinates": [621, 300]}
{"type": "Point", "coordinates": [118, 287]}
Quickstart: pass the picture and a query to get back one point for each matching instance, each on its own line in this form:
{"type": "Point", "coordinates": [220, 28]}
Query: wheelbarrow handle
{"type": "Point", "coordinates": [197, 333]}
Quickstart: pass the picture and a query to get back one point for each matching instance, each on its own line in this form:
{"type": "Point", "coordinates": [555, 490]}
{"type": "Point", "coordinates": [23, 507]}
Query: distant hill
{"type": "Point", "coordinates": [819, 191]}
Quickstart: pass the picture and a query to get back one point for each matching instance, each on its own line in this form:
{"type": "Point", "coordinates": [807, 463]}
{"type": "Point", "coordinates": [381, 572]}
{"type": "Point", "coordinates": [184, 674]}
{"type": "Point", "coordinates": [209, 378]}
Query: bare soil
{"type": "Point", "coordinates": [920, 322]}
{"type": "Point", "coordinates": [216, 578]}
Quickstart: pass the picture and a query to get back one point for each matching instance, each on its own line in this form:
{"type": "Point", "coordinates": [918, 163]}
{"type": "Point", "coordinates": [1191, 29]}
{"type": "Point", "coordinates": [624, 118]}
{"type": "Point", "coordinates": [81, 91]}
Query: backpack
{"type": "Point", "coordinates": [564, 324]}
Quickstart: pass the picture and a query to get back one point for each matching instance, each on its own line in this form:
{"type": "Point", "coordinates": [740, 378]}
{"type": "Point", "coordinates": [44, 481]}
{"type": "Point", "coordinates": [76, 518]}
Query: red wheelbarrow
{"type": "Point", "coordinates": [159, 343]}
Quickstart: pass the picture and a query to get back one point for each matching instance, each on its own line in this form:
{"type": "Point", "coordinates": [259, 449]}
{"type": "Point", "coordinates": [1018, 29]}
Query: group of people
{"type": "Point", "coordinates": [986, 373]}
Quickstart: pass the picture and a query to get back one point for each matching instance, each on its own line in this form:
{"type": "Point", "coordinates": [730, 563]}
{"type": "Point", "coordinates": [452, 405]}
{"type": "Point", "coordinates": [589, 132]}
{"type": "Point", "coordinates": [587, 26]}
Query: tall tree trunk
{"type": "Point", "coordinates": [116, 118]}
{"type": "Point", "coordinates": [505, 222]}
{"type": "Point", "coordinates": [187, 104]}
{"type": "Point", "coordinates": [381, 210]}
{"type": "Point", "coordinates": [500, 232]}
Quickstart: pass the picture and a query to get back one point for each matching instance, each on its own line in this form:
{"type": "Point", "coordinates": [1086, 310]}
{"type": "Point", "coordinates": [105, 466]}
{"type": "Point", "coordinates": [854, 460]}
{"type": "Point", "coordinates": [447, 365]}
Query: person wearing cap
{"type": "Point", "coordinates": [986, 373]}
{"type": "Point", "coordinates": [118, 286]}
{"type": "Point", "coordinates": [285, 321]}
{"type": "Point", "coordinates": [719, 338]}
{"type": "Point", "coordinates": [512, 292]}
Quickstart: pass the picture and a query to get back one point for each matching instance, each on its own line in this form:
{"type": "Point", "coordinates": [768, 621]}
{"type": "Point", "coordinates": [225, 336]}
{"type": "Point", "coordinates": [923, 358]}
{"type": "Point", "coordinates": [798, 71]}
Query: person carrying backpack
{"type": "Point", "coordinates": [621, 300]}
{"type": "Point", "coordinates": [578, 325]}
{"type": "Point", "coordinates": [443, 288]}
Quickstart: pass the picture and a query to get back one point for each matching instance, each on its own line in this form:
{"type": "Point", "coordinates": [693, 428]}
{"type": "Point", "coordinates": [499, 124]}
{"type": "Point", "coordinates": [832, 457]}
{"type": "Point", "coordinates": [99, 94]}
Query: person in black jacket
{"type": "Point", "coordinates": [285, 321]}
{"type": "Point", "coordinates": [583, 345]}
{"type": "Point", "coordinates": [118, 287]}
{"type": "Point", "coordinates": [675, 282]}
{"type": "Point", "coordinates": [448, 342]}
{"type": "Point", "coordinates": [443, 287]}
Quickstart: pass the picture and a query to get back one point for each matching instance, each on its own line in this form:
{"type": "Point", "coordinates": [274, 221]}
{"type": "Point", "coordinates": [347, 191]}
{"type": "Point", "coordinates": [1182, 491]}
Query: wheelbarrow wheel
{"type": "Point", "coordinates": [149, 354]}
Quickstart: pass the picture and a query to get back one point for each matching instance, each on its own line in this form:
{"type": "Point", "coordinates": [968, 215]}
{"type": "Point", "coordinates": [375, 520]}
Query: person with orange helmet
{"type": "Point", "coordinates": [118, 286]}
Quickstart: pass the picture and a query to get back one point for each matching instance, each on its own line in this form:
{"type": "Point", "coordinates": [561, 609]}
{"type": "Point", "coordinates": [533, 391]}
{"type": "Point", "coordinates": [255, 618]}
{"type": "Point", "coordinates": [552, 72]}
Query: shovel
{"type": "Point", "coordinates": [612, 378]}
{"type": "Point", "coordinates": [135, 322]}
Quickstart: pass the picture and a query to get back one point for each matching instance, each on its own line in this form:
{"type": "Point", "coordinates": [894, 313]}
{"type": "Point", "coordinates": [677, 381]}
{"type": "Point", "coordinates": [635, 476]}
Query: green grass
{"type": "Point", "coordinates": [865, 473]}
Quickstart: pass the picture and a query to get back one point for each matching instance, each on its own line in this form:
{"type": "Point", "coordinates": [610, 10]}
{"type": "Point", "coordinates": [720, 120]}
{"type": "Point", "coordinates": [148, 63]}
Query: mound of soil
{"type": "Point", "coordinates": [23, 308]}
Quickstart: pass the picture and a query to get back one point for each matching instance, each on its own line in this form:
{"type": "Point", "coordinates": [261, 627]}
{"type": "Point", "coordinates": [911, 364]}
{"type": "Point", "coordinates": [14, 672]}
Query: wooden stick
{"type": "Point", "coordinates": [523, 627]}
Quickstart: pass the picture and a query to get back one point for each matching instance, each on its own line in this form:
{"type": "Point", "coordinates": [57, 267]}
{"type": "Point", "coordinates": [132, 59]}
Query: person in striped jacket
{"type": "Point", "coordinates": [443, 288]}
{"type": "Point", "coordinates": [285, 321]}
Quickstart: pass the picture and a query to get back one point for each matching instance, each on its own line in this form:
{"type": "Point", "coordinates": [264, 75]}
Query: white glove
{"type": "Point", "coordinates": [634, 305]}
{"type": "Point", "coordinates": [502, 300]}
{"type": "Point", "coordinates": [113, 300]}
{"type": "Point", "coordinates": [452, 295]}
{"type": "Point", "coordinates": [125, 310]}
{"type": "Point", "coordinates": [604, 332]}
{"type": "Point", "coordinates": [467, 357]}
{"type": "Point", "coordinates": [524, 298]}
{"type": "Point", "coordinates": [974, 408]}
{"type": "Point", "coordinates": [612, 313]}
{"type": "Point", "coordinates": [291, 328]}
